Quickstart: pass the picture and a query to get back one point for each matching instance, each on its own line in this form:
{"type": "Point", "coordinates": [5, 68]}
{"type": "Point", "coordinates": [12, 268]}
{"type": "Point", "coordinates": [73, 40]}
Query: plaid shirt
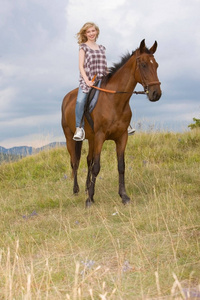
{"type": "Point", "coordinates": [94, 64]}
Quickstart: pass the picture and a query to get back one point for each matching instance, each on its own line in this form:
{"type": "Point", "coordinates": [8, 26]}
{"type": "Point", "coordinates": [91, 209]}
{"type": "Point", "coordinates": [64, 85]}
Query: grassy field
{"type": "Point", "coordinates": [51, 247]}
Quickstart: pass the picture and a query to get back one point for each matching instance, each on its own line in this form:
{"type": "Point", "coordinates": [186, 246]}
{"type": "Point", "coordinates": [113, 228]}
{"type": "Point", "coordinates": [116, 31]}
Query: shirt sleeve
{"type": "Point", "coordinates": [102, 47]}
{"type": "Point", "coordinates": [83, 46]}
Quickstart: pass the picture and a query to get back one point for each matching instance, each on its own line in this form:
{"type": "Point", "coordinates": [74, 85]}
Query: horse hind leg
{"type": "Point", "coordinates": [95, 169]}
{"type": "Point", "coordinates": [74, 149]}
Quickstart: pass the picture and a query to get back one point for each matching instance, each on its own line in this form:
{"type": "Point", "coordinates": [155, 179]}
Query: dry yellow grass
{"type": "Point", "coordinates": [51, 247]}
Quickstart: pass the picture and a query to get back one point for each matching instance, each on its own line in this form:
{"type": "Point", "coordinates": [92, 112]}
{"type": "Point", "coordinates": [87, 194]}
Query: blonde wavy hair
{"type": "Point", "coordinates": [81, 35]}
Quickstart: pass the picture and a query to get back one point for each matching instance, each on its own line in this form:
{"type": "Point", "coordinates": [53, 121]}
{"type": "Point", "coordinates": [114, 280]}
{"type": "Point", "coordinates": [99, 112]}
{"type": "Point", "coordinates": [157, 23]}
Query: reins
{"type": "Point", "coordinates": [118, 92]}
{"type": "Point", "coordinates": [115, 92]}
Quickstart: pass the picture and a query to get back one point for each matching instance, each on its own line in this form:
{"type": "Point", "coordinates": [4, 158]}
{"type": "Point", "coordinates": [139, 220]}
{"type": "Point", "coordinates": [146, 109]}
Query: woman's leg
{"type": "Point", "coordinates": [79, 111]}
{"type": "Point", "coordinates": [80, 105]}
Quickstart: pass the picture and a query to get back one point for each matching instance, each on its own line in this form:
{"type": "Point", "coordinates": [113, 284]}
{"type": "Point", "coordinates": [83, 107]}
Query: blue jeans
{"type": "Point", "coordinates": [80, 105]}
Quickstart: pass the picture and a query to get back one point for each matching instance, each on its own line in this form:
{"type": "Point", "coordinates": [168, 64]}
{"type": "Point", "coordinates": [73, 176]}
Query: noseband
{"type": "Point", "coordinates": [145, 84]}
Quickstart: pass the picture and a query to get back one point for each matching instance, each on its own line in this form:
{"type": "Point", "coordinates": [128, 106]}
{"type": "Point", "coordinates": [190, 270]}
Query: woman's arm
{"type": "Point", "coordinates": [81, 67]}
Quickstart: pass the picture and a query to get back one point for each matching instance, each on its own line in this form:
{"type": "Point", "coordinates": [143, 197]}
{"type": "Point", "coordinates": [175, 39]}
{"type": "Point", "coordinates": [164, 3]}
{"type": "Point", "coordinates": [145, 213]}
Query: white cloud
{"type": "Point", "coordinates": [36, 121]}
{"type": "Point", "coordinates": [7, 96]}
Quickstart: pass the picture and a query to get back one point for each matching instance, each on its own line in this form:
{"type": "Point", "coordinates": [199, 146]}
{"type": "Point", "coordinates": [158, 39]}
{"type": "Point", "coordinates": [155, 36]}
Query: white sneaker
{"type": "Point", "coordinates": [79, 134]}
{"type": "Point", "coordinates": [131, 130]}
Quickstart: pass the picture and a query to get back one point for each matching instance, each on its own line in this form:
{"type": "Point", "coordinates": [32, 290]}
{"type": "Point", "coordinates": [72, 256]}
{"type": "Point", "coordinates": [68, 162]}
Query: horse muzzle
{"type": "Point", "coordinates": [154, 92]}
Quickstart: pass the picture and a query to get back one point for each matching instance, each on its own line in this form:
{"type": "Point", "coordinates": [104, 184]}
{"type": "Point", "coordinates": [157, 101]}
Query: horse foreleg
{"type": "Point", "coordinates": [91, 188]}
{"type": "Point", "coordinates": [120, 147]}
{"type": "Point", "coordinates": [89, 164]}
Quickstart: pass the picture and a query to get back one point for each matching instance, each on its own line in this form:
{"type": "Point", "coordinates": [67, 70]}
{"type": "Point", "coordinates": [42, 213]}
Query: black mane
{"type": "Point", "coordinates": [116, 66]}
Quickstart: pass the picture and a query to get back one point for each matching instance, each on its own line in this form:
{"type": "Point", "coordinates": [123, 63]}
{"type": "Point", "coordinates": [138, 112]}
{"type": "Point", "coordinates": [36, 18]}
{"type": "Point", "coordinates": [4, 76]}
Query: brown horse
{"type": "Point", "coordinates": [111, 115]}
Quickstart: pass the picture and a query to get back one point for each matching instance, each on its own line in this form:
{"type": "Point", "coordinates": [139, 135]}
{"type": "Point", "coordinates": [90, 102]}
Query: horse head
{"type": "Point", "coordinates": [146, 71]}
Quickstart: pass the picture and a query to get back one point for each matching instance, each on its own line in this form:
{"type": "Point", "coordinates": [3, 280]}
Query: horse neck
{"type": "Point", "coordinates": [124, 79]}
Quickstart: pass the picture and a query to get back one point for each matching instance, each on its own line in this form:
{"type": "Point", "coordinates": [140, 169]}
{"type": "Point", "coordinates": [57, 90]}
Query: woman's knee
{"type": "Point", "coordinates": [81, 98]}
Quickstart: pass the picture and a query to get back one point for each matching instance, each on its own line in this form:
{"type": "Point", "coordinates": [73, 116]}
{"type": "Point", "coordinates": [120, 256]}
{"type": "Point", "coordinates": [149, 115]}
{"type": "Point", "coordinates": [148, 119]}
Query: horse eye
{"type": "Point", "coordinates": [143, 65]}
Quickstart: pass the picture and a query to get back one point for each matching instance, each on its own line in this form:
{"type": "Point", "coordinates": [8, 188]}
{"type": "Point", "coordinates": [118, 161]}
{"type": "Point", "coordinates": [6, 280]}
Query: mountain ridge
{"type": "Point", "coordinates": [26, 150]}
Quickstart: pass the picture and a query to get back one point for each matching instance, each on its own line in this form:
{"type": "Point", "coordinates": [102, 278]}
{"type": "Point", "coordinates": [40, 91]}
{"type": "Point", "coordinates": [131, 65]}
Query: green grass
{"type": "Point", "coordinates": [51, 247]}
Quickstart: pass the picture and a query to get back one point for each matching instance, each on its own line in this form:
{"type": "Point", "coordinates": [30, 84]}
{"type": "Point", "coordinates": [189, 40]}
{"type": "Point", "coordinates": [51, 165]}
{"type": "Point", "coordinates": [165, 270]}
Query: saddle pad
{"type": "Point", "coordinates": [94, 99]}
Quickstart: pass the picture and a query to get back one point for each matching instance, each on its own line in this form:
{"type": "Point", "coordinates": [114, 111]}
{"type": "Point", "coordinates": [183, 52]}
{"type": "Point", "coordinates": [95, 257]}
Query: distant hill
{"type": "Point", "coordinates": [25, 150]}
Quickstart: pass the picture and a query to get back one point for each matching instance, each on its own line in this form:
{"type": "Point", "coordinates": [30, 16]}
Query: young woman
{"type": "Point", "coordinates": [92, 62]}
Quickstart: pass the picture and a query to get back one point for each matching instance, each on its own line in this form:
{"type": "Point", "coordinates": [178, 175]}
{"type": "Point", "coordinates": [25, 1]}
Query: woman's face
{"type": "Point", "coordinates": [91, 34]}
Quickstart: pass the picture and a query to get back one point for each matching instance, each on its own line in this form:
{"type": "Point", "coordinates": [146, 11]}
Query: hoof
{"type": "Point", "coordinates": [76, 190]}
{"type": "Point", "coordinates": [89, 203]}
{"type": "Point", "coordinates": [125, 200]}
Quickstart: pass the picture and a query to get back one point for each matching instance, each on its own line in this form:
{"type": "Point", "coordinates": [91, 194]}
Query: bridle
{"type": "Point", "coordinates": [144, 83]}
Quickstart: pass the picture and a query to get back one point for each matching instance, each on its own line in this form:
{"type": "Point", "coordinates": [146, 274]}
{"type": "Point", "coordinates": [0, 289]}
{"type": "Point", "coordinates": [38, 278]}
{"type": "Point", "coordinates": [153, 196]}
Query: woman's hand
{"type": "Point", "coordinates": [89, 83]}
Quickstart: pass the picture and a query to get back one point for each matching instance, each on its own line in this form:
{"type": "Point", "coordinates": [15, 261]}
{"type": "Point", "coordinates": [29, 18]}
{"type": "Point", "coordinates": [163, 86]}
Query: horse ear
{"type": "Point", "coordinates": [153, 48]}
{"type": "Point", "coordinates": [142, 46]}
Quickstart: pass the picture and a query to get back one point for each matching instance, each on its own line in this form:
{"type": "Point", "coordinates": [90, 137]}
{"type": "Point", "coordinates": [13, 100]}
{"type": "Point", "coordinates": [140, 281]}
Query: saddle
{"type": "Point", "coordinates": [91, 103]}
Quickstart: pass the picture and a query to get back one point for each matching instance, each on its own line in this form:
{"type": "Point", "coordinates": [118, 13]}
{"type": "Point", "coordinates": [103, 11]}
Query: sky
{"type": "Point", "coordinates": [39, 61]}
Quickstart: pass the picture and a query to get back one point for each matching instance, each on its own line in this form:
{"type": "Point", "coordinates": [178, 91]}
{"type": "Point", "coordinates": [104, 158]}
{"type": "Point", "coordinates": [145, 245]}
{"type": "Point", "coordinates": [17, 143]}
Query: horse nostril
{"type": "Point", "coordinates": [155, 96]}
